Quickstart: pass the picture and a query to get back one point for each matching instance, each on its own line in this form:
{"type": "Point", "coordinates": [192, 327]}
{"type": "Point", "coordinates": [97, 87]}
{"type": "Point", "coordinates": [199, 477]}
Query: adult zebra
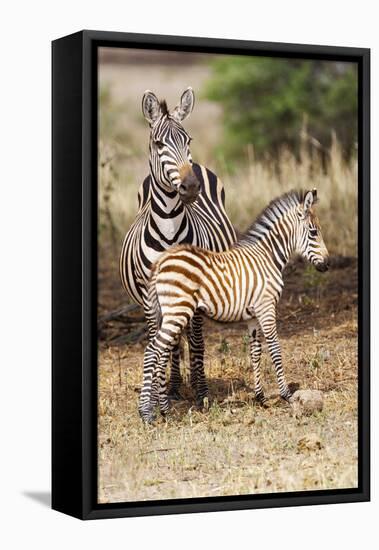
{"type": "Point", "coordinates": [242, 283]}
{"type": "Point", "coordinates": [179, 202]}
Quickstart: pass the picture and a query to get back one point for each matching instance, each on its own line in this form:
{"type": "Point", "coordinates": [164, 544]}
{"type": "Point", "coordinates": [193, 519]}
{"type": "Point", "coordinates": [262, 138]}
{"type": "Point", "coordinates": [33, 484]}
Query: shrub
{"type": "Point", "coordinates": [267, 102]}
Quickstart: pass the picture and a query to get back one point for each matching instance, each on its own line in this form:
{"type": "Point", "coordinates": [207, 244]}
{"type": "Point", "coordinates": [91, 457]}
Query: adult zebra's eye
{"type": "Point", "coordinates": [159, 144]}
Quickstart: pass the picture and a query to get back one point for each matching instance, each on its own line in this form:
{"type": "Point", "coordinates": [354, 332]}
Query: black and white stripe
{"type": "Point", "coordinates": [164, 220]}
{"type": "Point", "coordinates": [243, 283]}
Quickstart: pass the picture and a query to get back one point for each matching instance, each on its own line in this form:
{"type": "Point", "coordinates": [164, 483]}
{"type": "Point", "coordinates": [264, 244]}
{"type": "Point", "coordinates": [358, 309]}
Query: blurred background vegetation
{"type": "Point", "coordinates": [263, 125]}
{"type": "Point", "coordinates": [268, 102]}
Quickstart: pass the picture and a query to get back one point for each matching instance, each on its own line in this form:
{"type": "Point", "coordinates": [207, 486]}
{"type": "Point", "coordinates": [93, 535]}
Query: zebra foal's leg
{"type": "Point", "coordinates": [175, 377]}
{"type": "Point", "coordinates": [161, 381]}
{"type": "Point", "coordinates": [154, 368]}
{"type": "Point", "coordinates": [196, 350]}
{"type": "Point", "coordinates": [154, 388]}
{"type": "Point", "coordinates": [255, 336]}
{"type": "Point", "coordinates": [147, 400]}
{"type": "Point", "coordinates": [168, 338]}
{"type": "Point", "coordinates": [267, 321]}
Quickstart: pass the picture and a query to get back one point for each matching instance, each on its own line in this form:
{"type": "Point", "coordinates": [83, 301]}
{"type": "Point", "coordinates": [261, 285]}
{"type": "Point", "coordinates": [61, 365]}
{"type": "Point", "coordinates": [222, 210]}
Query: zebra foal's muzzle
{"type": "Point", "coordinates": [322, 266]}
{"type": "Point", "coordinates": [189, 189]}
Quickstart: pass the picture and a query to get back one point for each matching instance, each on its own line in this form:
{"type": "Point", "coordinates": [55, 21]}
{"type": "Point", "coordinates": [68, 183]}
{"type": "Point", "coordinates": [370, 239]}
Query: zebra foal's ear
{"type": "Point", "coordinates": [150, 107]}
{"type": "Point", "coordinates": [185, 107]}
{"type": "Point", "coordinates": [309, 199]}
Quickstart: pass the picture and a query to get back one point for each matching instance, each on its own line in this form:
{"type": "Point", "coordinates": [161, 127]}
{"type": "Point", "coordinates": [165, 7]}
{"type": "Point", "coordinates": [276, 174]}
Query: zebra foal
{"type": "Point", "coordinates": [243, 283]}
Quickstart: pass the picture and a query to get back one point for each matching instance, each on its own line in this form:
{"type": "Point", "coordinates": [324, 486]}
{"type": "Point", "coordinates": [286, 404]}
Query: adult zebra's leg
{"type": "Point", "coordinates": [267, 321]}
{"type": "Point", "coordinates": [175, 377]}
{"type": "Point", "coordinates": [255, 336]}
{"type": "Point", "coordinates": [196, 350]}
{"type": "Point", "coordinates": [152, 331]}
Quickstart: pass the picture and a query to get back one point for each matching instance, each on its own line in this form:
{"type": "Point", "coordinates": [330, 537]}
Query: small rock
{"type": "Point", "coordinates": [244, 396]}
{"type": "Point", "coordinates": [309, 443]}
{"type": "Point", "coordinates": [227, 419]}
{"type": "Point", "coordinates": [249, 420]}
{"type": "Point", "coordinates": [307, 402]}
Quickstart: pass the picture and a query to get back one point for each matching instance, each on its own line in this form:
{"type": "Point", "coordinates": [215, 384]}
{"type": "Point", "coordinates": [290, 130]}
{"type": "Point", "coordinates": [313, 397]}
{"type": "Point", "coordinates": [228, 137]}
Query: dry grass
{"type": "Point", "coordinates": [258, 182]}
{"type": "Point", "coordinates": [239, 447]}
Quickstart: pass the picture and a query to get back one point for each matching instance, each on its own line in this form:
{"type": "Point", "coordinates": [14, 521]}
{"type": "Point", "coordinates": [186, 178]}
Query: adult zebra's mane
{"type": "Point", "coordinates": [164, 108]}
{"type": "Point", "coordinates": [269, 217]}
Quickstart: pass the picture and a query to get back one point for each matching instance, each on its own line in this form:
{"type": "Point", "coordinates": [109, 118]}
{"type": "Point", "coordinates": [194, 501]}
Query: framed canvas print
{"type": "Point", "coordinates": [210, 275]}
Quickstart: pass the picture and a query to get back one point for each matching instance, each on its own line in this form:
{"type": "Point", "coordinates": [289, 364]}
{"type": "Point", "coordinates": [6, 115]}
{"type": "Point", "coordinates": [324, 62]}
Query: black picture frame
{"type": "Point", "coordinates": [74, 273]}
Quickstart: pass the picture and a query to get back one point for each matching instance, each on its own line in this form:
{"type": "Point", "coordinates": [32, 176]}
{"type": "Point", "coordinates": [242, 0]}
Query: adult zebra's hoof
{"type": "Point", "coordinates": [174, 395]}
{"type": "Point", "coordinates": [202, 403]}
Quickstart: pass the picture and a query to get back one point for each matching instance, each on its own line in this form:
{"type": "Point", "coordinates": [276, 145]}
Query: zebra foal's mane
{"type": "Point", "coordinates": [271, 214]}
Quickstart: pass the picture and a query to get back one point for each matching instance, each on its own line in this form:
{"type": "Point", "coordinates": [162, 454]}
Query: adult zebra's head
{"type": "Point", "coordinates": [170, 156]}
{"type": "Point", "coordinates": [310, 240]}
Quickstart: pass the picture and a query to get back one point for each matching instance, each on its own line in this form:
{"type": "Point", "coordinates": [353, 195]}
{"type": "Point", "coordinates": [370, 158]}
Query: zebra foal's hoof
{"type": "Point", "coordinates": [261, 400]}
{"type": "Point", "coordinates": [287, 397]}
{"type": "Point", "coordinates": [147, 416]}
{"type": "Point", "coordinates": [165, 412]}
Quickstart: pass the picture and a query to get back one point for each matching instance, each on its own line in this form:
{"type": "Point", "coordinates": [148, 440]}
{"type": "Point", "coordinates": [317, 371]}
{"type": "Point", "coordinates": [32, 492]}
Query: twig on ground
{"type": "Point", "coordinates": [119, 313]}
{"type": "Point", "coordinates": [158, 450]}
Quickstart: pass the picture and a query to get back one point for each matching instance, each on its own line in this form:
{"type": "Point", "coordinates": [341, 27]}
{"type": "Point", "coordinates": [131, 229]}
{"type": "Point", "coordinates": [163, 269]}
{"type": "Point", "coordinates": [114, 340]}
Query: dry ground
{"type": "Point", "coordinates": [237, 447]}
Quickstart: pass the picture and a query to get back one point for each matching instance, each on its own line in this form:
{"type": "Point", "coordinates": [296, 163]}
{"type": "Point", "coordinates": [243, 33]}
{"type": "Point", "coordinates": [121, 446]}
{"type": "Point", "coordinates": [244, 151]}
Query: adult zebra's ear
{"type": "Point", "coordinates": [185, 107]}
{"type": "Point", "coordinates": [309, 200]}
{"type": "Point", "coordinates": [150, 107]}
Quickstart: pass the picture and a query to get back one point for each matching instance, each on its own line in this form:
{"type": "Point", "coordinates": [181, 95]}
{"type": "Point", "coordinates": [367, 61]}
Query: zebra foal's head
{"type": "Point", "coordinates": [310, 242]}
{"type": "Point", "coordinates": [170, 156]}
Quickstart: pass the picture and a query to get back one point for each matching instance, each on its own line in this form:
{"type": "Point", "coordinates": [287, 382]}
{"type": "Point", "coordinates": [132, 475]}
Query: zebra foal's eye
{"type": "Point", "coordinates": [313, 232]}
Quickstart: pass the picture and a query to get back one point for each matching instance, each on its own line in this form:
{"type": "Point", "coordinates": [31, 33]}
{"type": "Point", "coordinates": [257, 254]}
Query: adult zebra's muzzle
{"type": "Point", "coordinates": [189, 189]}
